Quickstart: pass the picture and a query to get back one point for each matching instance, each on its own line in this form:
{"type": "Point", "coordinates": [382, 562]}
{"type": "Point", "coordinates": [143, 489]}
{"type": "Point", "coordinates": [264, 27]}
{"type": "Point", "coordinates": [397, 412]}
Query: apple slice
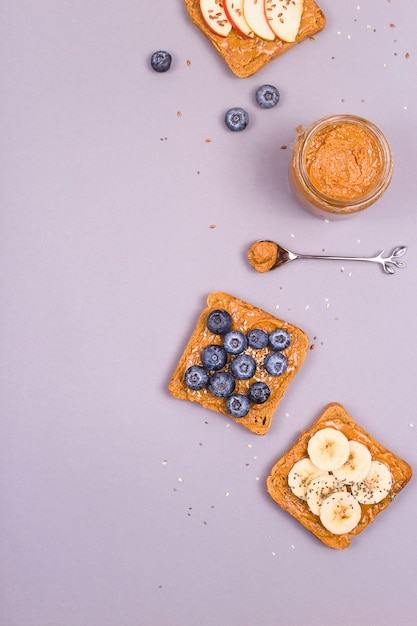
{"type": "Point", "coordinates": [284, 17]}
{"type": "Point", "coordinates": [215, 17]}
{"type": "Point", "coordinates": [234, 12]}
{"type": "Point", "coordinates": [254, 13]}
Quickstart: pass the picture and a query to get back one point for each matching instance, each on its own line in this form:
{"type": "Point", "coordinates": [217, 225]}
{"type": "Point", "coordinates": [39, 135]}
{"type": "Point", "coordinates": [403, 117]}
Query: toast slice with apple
{"type": "Point", "coordinates": [248, 34]}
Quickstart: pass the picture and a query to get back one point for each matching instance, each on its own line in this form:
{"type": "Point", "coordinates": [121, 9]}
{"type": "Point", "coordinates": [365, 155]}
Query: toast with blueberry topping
{"type": "Point", "coordinates": [239, 361]}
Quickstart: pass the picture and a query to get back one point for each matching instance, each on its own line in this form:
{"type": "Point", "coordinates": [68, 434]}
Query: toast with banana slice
{"type": "Point", "coordinates": [247, 49]}
{"type": "Point", "coordinates": [239, 361]}
{"type": "Point", "coordinates": [336, 478]}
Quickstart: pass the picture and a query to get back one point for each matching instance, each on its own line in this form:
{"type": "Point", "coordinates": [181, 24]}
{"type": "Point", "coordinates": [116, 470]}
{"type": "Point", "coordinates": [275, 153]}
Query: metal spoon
{"type": "Point", "coordinates": [265, 255]}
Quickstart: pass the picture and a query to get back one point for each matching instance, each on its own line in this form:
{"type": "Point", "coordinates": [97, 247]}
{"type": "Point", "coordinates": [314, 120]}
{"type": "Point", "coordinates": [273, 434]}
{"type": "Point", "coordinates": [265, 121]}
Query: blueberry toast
{"type": "Point", "coordinates": [239, 361]}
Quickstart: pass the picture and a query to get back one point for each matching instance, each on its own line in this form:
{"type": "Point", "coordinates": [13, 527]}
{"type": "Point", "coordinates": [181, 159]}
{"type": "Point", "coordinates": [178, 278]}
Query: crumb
{"type": "Point", "coordinates": [178, 113]}
{"type": "Point", "coordinates": [188, 62]}
{"type": "Point", "coordinates": [212, 226]}
{"type": "Point", "coordinates": [312, 346]}
{"type": "Point", "coordinates": [407, 55]}
{"type": "Point", "coordinates": [208, 140]}
{"type": "Point", "coordinates": [283, 147]}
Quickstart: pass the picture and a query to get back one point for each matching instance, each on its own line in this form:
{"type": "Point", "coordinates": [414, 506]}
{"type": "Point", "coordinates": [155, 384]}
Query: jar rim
{"type": "Point", "coordinates": [379, 137]}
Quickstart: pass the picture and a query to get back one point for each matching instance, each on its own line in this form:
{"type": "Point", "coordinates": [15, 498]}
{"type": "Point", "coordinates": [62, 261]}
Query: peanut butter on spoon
{"type": "Point", "coordinates": [266, 255]}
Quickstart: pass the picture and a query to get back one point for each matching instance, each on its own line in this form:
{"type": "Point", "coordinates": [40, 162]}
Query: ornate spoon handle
{"type": "Point", "coordinates": [386, 262]}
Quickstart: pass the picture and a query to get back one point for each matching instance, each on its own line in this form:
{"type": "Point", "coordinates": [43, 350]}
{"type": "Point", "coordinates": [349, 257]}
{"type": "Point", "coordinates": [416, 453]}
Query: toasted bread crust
{"type": "Point", "coordinates": [334, 416]}
{"type": "Point", "coordinates": [245, 56]}
{"type": "Point", "coordinates": [245, 317]}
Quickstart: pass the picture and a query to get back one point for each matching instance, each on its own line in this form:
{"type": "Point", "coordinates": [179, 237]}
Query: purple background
{"type": "Point", "coordinates": [118, 504]}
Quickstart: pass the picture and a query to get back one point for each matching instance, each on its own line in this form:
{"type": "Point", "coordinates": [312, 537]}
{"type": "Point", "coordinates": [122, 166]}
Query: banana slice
{"type": "Point", "coordinates": [300, 475]}
{"type": "Point", "coordinates": [328, 448]}
{"type": "Point", "coordinates": [340, 512]}
{"type": "Point", "coordinates": [376, 485]}
{"type": "Point", "coordinates": [357, 465]}
{"type": "Point", "coordinates": [319, 489]}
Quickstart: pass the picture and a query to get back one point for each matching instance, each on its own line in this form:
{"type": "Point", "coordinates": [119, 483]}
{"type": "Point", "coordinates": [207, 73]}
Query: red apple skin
{"type": "Point", "coordinates": [233, 22]}
{"type": "Point", "coordinates": [210, 27]}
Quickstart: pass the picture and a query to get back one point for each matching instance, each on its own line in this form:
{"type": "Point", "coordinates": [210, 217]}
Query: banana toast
{"type": "Point", "coordinates": [333, 489]}
{"type": "Point", "coordinates": [241, 367]}
{"type": "Point", "coordinates": [245, 55]}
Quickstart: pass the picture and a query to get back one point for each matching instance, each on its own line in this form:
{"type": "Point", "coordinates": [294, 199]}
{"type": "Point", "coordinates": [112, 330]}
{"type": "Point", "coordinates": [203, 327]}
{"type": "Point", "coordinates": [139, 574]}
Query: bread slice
{"type": "Point", "coordinates": [334, 416]}
{"type": "Point", "coordinates": [244, 55]}
{"type": "Point", "coordinates": [245, 318]}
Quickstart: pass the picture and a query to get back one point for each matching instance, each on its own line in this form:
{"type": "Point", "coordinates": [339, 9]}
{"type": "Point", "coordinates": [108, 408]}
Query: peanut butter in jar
{"type": "Point", "coordinates": [340, 165]}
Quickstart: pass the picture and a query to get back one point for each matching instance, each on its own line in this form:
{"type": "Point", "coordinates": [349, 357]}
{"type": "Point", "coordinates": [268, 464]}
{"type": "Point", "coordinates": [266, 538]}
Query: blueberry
{"type": "Point", "coordinates": [214, 357]}
{"type": "Point", "coordinates": [236, 119]}
{"type": "Point", "coordinates": [257, 338]}
{"type": "Point", "coordinates": [267, 96]}
{"type": "Point", "coordinates": [243, 367]}
{"type": "Point", "coordinates": [196, 377]}
{"type": "Point", "coordinates": [279, 339]}
{"type": "Point", "coordinates": [275, 363]}
{"type": "Point", "coordinates": [234, 342]}
{"type": "Point", "coordinates": [219, 322]}
{"type": "Point", "coordinates": [161, 61]}
{"type": "Point", "coordinates": [259, 392]}
{"type": "Point", "coordinates": [221, 384]}
{"type": "Point", "coordinates": [238, 405]}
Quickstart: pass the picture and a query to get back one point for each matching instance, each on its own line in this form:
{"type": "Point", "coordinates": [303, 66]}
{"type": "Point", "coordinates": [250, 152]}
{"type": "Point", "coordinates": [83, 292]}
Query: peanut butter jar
{"type": "Point", "coordinates": [340, 165]}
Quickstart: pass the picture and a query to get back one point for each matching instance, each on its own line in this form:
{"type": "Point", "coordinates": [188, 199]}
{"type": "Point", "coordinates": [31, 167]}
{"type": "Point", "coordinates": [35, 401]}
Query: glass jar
{"type": "Point", "coordinates": [340, 165]}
